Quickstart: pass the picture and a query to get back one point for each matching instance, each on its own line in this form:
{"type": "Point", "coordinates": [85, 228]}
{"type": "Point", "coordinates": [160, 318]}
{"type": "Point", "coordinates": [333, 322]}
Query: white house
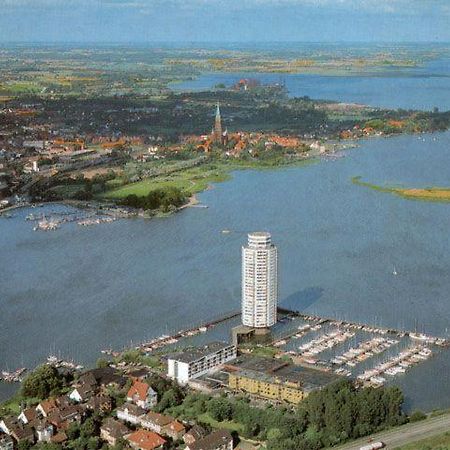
{"type": "Point", "coordinates": [44, 431]}
{"type": "Point", "coordinates": [130, 413]}
{"type": "Point", "coordinates": [81, 394]}
{"type": "Point", "coordinates": [142, 395]}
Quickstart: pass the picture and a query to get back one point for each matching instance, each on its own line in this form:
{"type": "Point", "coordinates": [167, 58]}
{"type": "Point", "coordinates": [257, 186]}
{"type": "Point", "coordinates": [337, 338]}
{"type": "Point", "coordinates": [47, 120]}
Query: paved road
{"type": "Point", "coordinates": [405, 434]}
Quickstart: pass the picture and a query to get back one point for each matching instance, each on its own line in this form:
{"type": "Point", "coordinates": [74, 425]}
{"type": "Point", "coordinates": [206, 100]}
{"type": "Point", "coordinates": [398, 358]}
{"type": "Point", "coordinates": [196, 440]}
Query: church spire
{"type": "Point", "coordinates": [218, 125]}
{"type": "Point", "coordinates": [218, 111]}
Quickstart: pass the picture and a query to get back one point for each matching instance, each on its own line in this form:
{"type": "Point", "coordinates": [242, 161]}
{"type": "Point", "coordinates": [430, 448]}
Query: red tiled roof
{"type": "Point", "coordinates": [158, 419]}
{"type": "Point", "coordinates": [140, 389]}
{"type": "Point", "coordinates": [146, 440]}
{"type": "Point", "coordinates": [48, 405]}
{"type": "Point", "coordinates": [176, 426]}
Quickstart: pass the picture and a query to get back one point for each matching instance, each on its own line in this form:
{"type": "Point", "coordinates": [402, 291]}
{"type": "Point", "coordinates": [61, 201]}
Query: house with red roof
{"type": "Point", "coordinates": [145, 440]}
{"type": "Point", "coordinates": [142, 395]}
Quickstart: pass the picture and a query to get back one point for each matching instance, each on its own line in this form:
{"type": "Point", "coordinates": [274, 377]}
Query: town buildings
{"type": "Point", "coordinates": [145, 440]}
{"type": "Point", "coordinates": [259, 281]}
{"type": "Point", "coordinates": [217, 440]}
{"type": "Point", "coordinates": [142, 395]}
{"type": "Point", "coordinates": [192, 364]}
{"type": "Point", "coordinates": [276, 380]}
{"type": "Point", "coordinates": [130, 413]}
{"type": "Point", "coordinates": [267, 386]}
{"type": "Point", "coordinates": [112, 430]}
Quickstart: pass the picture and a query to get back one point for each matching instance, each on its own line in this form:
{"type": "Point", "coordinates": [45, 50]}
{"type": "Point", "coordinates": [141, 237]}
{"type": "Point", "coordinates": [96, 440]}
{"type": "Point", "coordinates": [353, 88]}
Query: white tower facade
{"type": "Point", "coordinates": [259, 281]}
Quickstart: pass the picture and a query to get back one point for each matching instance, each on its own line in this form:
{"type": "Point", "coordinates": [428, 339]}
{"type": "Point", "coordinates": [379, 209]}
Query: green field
{"type": "Point", "coordinates": [432, 194]}
{"type": "Point", "coordinates": [441, 442]}
{"type": "Point", "coordinates": [191, 181]}
{"type": "Point", "coordinates": [227, 424]}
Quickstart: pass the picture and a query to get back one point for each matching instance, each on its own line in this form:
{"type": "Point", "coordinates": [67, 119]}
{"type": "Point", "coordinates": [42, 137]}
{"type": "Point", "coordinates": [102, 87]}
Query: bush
{"type": "Point", "coordinates": [416, 416]}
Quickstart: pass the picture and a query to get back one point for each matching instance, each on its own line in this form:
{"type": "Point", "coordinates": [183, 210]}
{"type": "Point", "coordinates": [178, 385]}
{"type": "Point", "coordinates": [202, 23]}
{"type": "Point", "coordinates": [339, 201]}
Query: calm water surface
{"type": "Point", "coordinates": [415, 88]}
{"type": "Point", "coordinates": [81, 289]}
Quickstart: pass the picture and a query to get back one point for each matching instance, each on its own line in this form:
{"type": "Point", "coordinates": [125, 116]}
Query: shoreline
{"type": "Point", "coordinates": [331, 147]}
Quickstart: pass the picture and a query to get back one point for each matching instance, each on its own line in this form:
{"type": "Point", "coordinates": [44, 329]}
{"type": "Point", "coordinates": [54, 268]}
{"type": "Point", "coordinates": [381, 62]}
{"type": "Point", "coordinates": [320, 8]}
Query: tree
{"type": "Point", "coordinates": [172, 397]}
{"type": "Point", "coordinates": [24, 445]}
{"type": "Point", "coordinates": [49, 446]}
{"type": "Point", "coordinates": [102, 363]}
{"type": "Point", "coordinates": [220, 409]}
{"type": "Point", "coordinates": [73, 431]}
{"type": "Point", "coordinates": [90, 428]}
{"type": "Point", "coordinates": [43, 381]}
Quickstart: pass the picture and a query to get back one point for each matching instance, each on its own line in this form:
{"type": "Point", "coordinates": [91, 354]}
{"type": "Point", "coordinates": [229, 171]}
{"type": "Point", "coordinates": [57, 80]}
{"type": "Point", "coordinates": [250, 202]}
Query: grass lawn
{"type": "Point", "coordinates": [440, 442]}
{"type": "Point", "coordinates": [192, 181]}
{"type": "Point", "coordinates": [13, 405]}
{"type": "Point", "coordinates": [227, 424]}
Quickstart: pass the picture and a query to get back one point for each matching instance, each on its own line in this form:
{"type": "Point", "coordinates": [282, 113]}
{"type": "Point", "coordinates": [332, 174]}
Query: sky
{"type": "Point", "coordinates": [146, 21]}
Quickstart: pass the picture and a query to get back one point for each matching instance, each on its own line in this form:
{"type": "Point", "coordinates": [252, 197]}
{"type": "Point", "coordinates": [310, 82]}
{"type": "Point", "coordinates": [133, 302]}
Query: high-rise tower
{"type": "Point", "coordinates": [259, 281]}
{"type": "Point", "coordinates": [218, 126]}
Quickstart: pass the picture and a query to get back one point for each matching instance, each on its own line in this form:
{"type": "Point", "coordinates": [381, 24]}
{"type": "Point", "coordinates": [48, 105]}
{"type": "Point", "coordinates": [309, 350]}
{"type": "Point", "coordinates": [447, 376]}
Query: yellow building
{"type": "Point", "coordinates": [267, 386]}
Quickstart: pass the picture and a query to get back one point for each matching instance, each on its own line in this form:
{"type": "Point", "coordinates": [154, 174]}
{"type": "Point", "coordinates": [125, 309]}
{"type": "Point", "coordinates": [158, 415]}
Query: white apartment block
{"type": "Point", "coordinates": [259, 281]}
{"type": "Point", "coordinates": [188, 365]}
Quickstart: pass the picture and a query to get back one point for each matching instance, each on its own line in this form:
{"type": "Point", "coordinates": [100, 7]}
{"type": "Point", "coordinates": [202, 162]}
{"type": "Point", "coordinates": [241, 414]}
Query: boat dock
{"type": "Point", "coordinates": [427, 339]}
{"type": "Point", "coordinates": [13, 377]}
{"type": "Point", "coordinates": [398, 364]}
{"type": "Point", "coordinates": [168, 339]}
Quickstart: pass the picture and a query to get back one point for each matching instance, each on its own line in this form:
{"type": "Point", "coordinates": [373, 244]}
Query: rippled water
{"type": "Point", "coordinates": [80, 289]}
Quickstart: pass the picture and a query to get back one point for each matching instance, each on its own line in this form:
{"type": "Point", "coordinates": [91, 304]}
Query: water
{"type": "Point", "coordinates": [411, 88]}
{"type": "Point", "coordinates": [80, 289]}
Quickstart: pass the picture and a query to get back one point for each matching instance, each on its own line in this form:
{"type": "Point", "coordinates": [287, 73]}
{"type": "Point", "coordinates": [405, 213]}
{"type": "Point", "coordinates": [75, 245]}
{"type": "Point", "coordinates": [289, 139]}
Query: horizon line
{"type": "Point", "coordinates": [184, 42]}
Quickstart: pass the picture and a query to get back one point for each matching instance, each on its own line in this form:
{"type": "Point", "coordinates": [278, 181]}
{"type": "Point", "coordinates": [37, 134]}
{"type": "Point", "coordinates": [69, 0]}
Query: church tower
{"type": "Point", "coordinates": [217, 134]}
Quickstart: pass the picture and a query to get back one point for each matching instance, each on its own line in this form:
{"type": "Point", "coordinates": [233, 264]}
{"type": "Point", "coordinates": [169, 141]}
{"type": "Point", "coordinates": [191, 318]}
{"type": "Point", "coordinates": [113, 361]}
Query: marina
{"type": "Point", "coordinates": [324, 342]}
{"type": "Point", "coordinates": [396, 365]}
{"type": "Point", "coordinates": [364, 351]}
{"type": "Point", "coordinates": [53, 221]}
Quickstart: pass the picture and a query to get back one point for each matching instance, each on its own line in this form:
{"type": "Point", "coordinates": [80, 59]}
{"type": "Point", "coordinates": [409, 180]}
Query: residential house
{"type": "Point", "coordinates": [82, 393]}
{"type": "Point", "coordinates": [174, 430]}
{"type": "Point", "coordinates": [100, 403]}
{"type": "Point", "coordinates": [103, 377]}
{"type": "Point", "coordinates": [44, 431]}
{"type": "Point", "coordinates": [61, 418]}
{"type": "Point", "coordinates": [155, 421]}
{"type": "Point", "coordinates": [27, 415]}
{"type": "Point", "coordinates": [6, 442]}
{"type": "Point", "coordinates": [130, 413]}
{"type": "Point", "coordinates": [141, 373]}
{"type": "Point", "coordinates": [142, 395]}
{"type": "Point", "coordinates": [112, 430]}
{"type": "Point", "coordinates": [23, 433]}
{"type": "Point", "coordinates": [87, 379]}
{"type": "Point", "coordinates": [6, 425]}
{"type": "Point", "coordinates": [145, 440]}
{"type": "Point", "coordinates": [46, 407]}
{"type": "Point", "coordinates": [217, 440]}
{"type": "Point", "coordinates": [17, 430]}
{"type": "Point", "coordinates": [194, 434]}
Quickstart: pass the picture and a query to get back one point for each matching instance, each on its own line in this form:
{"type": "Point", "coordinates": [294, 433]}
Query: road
{"type": "Point", "coordinates": [405, 434]}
